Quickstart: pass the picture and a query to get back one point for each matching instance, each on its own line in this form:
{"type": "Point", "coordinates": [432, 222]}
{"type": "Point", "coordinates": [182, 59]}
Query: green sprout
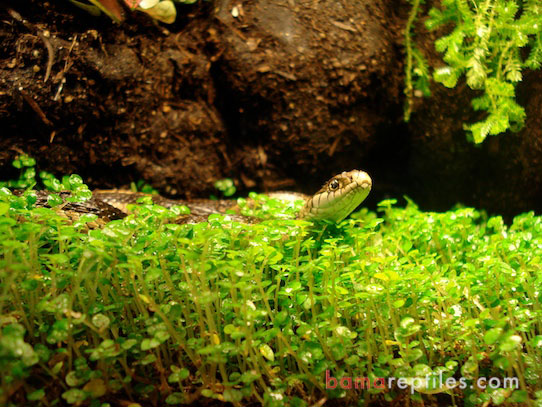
{"type": "Point", "coordinates": [226, 186]}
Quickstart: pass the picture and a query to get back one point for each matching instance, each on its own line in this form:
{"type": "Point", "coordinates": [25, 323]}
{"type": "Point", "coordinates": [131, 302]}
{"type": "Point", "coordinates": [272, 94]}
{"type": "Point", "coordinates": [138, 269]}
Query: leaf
{"type": "Point", "coordinates": [476, 74]}
{"type": "Point", "coordinates": [100, 321]}
{"type": "Point", "coordinates": [381, 276]}
{"type": "Point", "coordinates": [184, 373]}
{"type": "Point", "coordinates": [4, 207]}
{"type": "Point", "coordinates": [513, 73]}
{"type": "Point", "coordinates": [75, 181]}
{"type": "Point", "coordinates": [92, 10]}
{"type": "Point", "coordinates": [469, 368]}
{"type": "Point", "coordinates": [176, 398]}
{"type": "Point", "coordinates": [407, 322]}
{"type": "Point", "coordinates": [537, 341]}
{"type": "Point", "coordinates": [499, 123]}
{"type": "Point", "coordinates": [492, 335]}
{"type": "Point", "coordinates": [147, 360]}
{"type": "Point", "coordinates": [519, 396]}
{"type": "Point", "coordinates": [498, 396]}
{"type": "Point", "coordinates": [36, 395]}
{"type": "Point", "coordinates": [27, 161]}
{"type": "Point", "coordinates": [498, 87]}
{"type": "Point", "coordinates": [133, 4]}
{"type": "Point", "coordinates": [151, 343]}
{"type": "Point", "coordinates": [446, 75]}
{"type": "Point", "coordinates": [250, 376]}
{"type": "Point", "coordinates": [73, 379]}
{"type": "Point", "coordinates": [267, 352]}
{"type": "Point", "coordinates": [479, 131]}
{"type": "Point", "coordinates": [96, 388]}
{"type": "Point", "coordinates": [232, 395]}
{"type": "Point", "coordinates": [128, 344]}
{"type": "Point", "coordinates": [52, 184]}
{"type": "Point", "coordinates": [164, 11]}
{"type": "Point", "coordinates": [413, 354]}
{"type": "Point", "coordinates": [398, 303]}
{"type": "Point", "coordinates": [481, 103]}
{"type": "Point", "coordinates": [146, 4]}
{"type": "Point", "coordinates": [110, 7]}
{"type": "Point", "coordinates": [510, 343]}
{"type": "Point", "coordinates": [54, 200]}
{"type": "Point", "coordinates": [74, 396]}
{"type": "Point", "coordinates": [436, 19]}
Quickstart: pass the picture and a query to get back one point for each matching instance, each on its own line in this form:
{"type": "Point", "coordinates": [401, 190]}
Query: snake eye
{"type": "Point", "coordinates": [334, 184]}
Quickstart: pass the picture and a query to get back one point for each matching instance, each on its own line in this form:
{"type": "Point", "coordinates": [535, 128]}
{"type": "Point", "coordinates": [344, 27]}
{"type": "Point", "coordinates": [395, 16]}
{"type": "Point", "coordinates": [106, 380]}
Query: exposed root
{"type": "Point", "coordinates": [41, 34]}
{"type": "Point", "coordinates": [32, 103]}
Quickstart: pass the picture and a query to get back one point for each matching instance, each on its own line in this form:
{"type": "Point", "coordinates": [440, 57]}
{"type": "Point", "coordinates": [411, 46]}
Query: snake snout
{"type": "Point", "coordinates": [363, 179]}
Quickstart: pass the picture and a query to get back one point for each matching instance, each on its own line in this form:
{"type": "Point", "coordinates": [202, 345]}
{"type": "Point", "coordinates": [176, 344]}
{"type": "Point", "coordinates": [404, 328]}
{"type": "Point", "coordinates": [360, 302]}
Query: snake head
{"type": "Point", "coordinates": [338, 197]}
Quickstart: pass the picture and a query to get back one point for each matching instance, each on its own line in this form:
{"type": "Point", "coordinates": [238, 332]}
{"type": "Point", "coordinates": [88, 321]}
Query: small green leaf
{"type": "Point", "coordinates": [267, 352]}
{"type": "Point", "coordinates": [176, 398]}
{"type": "Point", "coordinates": [398, 303]}
{"type": "Point", "coordinates": [75, 181]}
{"type": "Point", "coordinates": [492, 335]}
{"type": "Point", "coordinates": [447, 76]}
{"type": "Point", "coordinates": [510, 343]}
{"type": "Point", "coordinates": [232, 395]}
{"type": "Point", "coordinates": [147, 360]}
{"type": "Point", "coordinates": [100, 321]}
{"type": "Point", "coordinates": [519, 396]}
{"type": "Point", "coordinates": [381, 276]}
{"type": "Point", "coordinates": [4, 207]}
{"type": "Point", "coordinates": [54, 200]}
{"type": "Point", "coordinates": [36, 395]}
{"type": "Point", "coordinates": [73, 380]}
{"type": "Point", "coordinates": [74, 396]}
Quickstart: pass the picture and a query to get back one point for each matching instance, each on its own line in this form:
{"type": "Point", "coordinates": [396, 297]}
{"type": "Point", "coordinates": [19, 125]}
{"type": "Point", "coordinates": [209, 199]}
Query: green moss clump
{"type": "Point", "coordinates": [490, 43]}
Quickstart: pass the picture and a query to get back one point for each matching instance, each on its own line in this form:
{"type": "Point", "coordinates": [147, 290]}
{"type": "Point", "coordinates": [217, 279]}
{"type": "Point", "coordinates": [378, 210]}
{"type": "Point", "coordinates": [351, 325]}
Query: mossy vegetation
{"type": "Point", "coordinates": [150, 312]}
{"type": "Point", "coordinates": [490, 43]}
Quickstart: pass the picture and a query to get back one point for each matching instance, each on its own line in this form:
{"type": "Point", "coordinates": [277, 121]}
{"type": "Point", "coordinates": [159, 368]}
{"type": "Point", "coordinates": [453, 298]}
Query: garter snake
{"type": "Point", "coordinates": [337, 198]}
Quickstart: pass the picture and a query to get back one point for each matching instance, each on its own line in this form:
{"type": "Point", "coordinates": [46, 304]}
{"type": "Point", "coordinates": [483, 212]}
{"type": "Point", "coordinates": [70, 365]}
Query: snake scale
{"type": "Point", "coordinates": [337, 198]}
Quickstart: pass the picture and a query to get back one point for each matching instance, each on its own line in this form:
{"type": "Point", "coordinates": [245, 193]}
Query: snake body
{"type": "Point", "coordinates": [337, 198]}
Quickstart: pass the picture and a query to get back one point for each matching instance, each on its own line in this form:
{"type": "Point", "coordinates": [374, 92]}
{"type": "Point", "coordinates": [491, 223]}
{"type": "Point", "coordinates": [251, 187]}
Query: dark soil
{"type": "Point", "coordinates": [118, 106]}
{"type": "Point", "coordinates": [283, 96]}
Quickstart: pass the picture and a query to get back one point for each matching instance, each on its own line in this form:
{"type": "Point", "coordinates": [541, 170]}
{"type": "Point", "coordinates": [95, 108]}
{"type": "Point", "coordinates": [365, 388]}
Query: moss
{"type": "Point", "coordinates": [490, 43]}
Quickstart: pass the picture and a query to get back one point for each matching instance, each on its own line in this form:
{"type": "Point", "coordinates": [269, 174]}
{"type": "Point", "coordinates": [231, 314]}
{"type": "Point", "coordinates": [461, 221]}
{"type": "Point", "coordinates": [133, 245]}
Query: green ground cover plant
{"type": "Point", "coordinates": [148, 312]}
{"type": "Point", "coordinates": [488, 42]}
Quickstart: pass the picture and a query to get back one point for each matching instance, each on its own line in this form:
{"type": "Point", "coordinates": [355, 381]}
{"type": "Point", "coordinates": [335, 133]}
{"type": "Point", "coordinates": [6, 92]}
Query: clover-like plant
{"type": "Point", "coordinates": [264, 313]}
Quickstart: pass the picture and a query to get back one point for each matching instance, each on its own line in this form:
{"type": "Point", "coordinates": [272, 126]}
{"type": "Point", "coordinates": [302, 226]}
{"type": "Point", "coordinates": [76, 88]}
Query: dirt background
{"type": "Point", "coordinates": [281, 96]}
